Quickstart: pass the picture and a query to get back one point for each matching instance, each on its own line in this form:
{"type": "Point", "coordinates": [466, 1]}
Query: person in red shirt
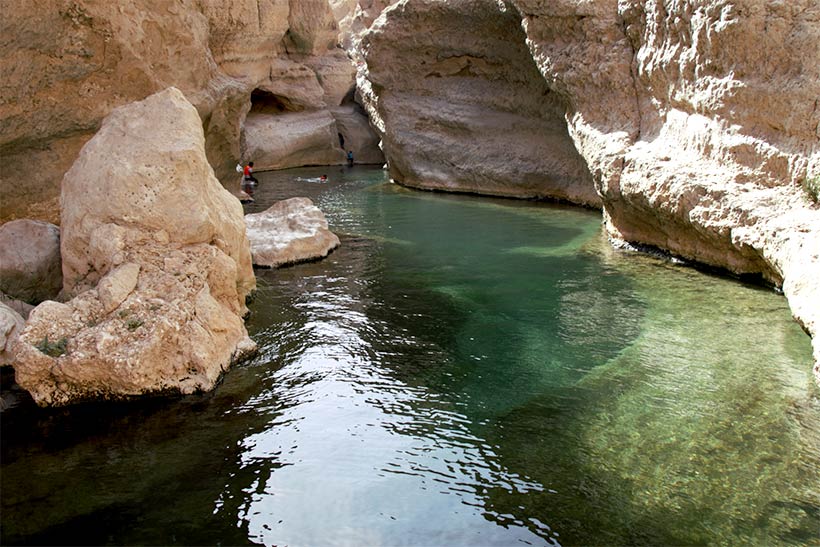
{"type": "Point", "coordinates": [249, 178]}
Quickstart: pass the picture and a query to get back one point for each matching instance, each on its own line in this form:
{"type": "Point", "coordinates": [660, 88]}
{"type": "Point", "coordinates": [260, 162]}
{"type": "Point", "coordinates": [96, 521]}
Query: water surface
{"type": "Point", "coordinates": [462, 371]}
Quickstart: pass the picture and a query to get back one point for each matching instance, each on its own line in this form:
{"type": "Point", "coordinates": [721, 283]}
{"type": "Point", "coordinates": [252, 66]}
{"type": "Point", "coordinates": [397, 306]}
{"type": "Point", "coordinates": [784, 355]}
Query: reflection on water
{"type": "Point", "coordinates": [462, 371]}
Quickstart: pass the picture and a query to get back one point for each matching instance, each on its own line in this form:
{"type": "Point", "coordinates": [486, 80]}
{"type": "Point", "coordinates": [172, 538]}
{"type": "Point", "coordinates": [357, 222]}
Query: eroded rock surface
{"type": "Point", "coordinates": [460, 105]}
{"type": "Point", "coordinates": [158, 270]}
{"type": "Point", "coordinates": [11, 325]}
{"type": "Point", "coordinates": [275, 141]}
{"type": "Point", "coordinates": [30, 268]}
{"type": "Point", "coordinates": [356, 134]}
{"type": "Point", "coordinates": [290, 231]}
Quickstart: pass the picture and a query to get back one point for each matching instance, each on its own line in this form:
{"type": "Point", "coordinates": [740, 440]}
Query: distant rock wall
{"type": "Point", "coordinates": [67, 63]}
{"type": "Point", "coordinates": [461, 105]}
{"type": "Point", "coordinates": [697, 120]}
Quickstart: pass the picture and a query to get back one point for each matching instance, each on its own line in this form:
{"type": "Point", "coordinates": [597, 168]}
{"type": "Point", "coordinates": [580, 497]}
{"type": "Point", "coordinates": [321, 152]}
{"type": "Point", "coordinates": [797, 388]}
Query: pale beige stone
{"type": "Point", "coordinates": [359, 137]}
{"type": "Point", "coordinates": [159, 270]}
{"type": "Point", "coordinates": [23, 308]}
{"type": "Point", "coordinates": [290, 231]}
{"type": "Point", "coordinates": [117, 285]}
{"type": "Point", "coordinates": [11, 325]}
{"type": "Point", "coordinates": [66, 65]}
{"type": "Point", "coordinates": [276, 141]}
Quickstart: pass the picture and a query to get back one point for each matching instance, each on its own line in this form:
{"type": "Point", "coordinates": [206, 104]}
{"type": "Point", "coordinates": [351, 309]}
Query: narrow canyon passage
{"type": "Point", "coordinates": [460, 371]}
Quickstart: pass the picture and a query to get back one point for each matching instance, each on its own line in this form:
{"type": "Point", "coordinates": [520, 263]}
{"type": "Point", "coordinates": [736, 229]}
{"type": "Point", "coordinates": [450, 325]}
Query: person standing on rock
{"type": "Point", "coordinates": [350, 157]}
{"type": "Point", "coordinates": [249, 178]}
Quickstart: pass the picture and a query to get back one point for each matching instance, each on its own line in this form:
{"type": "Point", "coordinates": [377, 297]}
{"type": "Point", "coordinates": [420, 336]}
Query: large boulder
{"type": "Point", "coordinates": [290, 231]}
{"type": "Point", "coordinates": [30, 260]}
{"type": "Point", "coordinates": [295, 119]}
{"type": "Point", "coordinates": [159, 270]}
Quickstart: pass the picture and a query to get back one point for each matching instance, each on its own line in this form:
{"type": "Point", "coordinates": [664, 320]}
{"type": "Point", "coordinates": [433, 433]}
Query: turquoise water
{"type": "Point", "coordinates": [461, 371]}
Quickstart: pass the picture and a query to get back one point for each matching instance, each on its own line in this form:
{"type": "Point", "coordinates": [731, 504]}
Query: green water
{"type": "Point", "coordinates": [462, 371]}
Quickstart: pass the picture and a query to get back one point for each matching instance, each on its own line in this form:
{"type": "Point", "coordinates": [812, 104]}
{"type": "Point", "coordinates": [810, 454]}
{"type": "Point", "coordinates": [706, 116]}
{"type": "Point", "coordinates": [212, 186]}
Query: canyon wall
{"type": "Point", "coordinates": [462, 106]}
{"type": "Point", "coordinates": [695, 121]}
{"type": "Point", "coordinates": [68, 63]}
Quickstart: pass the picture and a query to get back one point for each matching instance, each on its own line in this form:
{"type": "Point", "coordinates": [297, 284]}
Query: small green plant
{"type": "Point", "coordinates": [812, 187]}
{"type": "Point", "coordinates": [124, 313]}
{"type": "Point", "coordinates": [52, 349]}
{"type": "Point", "coordinates": [134, 324]}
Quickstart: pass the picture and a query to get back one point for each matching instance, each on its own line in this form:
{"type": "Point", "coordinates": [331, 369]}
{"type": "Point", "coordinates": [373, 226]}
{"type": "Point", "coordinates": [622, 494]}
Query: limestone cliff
{"type": "Point", "coordinates": [461, 105]}
{"type": "Point", "coordinates": [696, 120]}
{"type": "Point", "coordinates": [67, 63]}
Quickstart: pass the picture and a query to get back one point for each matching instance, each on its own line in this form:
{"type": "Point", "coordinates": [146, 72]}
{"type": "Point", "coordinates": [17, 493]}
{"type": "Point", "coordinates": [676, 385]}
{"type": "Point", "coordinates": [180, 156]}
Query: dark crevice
{"type": "Point", "coordinates": [265, 102]}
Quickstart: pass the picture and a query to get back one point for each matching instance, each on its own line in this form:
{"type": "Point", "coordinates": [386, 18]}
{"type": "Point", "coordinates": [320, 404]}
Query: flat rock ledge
{"type": "Point", "coordinates": [291, 231]}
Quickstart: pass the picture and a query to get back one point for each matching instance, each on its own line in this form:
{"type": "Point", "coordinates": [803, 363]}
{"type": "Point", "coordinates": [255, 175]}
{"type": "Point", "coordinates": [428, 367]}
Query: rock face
{"type": "Point", "coordinates": [354, 17]}
{"type": "Point", "coordinates": [291, 231]}
{"type": "Point", "coordinates": [159, 269]}
{"type": "Point", "coordinates": [356, 134]}
{"type": "Point", "coordinates": [461, 106]}
{"type": "Point", "coordinates": [283, 140]}
{"type": "Point", "coordinates": [696, 120]}
{"type": "Point", "coordinates": [11, 325]}
{"type": "Point", "coordinates": [67, 64]}
{"type": "Point", "coordinates": [30, 260]}
{"type": "Point", "coordinates": [23, 308]}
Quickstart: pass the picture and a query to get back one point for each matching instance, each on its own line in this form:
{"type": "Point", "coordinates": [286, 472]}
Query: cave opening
{"type": "Point", "coordinates": [265, 102]}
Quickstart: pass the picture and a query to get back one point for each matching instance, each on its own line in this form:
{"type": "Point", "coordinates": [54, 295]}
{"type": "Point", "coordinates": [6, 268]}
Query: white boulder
{"type": "Point", "coordinates": [291, 231]}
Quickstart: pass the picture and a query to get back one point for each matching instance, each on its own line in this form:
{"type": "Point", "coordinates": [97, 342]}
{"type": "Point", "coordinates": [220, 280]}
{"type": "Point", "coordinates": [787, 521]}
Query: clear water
{"type": "Point", "coordinates": [462, 371]}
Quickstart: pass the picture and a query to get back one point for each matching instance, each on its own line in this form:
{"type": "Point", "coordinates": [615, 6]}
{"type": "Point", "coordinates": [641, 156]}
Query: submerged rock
{"type": "Point", "coordinates": [30, 260]}
{"type": "Point", "coordinates": [291, 231]}
{"type": "Point", "coordinates": [158, 270]}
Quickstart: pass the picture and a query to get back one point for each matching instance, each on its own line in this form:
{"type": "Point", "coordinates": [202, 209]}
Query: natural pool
{"type": "Point", "coordinates": [462, 371]}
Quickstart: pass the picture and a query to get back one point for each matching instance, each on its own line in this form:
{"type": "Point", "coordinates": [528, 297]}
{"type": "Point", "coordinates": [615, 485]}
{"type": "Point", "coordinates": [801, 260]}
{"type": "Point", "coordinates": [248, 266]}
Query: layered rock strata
{"type": "Point", "coordinates": [697, 120]}
{"type": "Point", "coordinates": [290, 231]}
{"type": "Point", "coordinates": [461, 106]}
{"type": "Point", "coordinates": [67, 64]}
{"type": "Point", "coordinates": [158, 270]}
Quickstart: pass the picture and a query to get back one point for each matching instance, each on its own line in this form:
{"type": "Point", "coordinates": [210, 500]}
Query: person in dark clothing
{"type": "Point", "coordinates": [350, 157]}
